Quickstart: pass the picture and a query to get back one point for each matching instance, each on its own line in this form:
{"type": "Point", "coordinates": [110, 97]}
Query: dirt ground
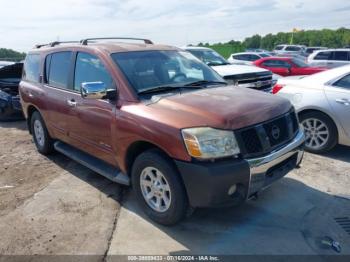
{"type": "Point", "coordinates": [55, 206]}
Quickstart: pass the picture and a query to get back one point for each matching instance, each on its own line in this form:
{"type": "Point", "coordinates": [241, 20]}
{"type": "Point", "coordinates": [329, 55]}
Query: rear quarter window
{"type": "Point", "coordinates": [31, 68]}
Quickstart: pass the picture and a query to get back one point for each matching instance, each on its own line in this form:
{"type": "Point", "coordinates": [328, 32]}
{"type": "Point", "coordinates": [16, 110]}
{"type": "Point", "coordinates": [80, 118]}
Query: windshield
{"type": "Point", "coordinates": [147, 70]}
{"type": "Point", "coordinates": [299, 63]}
{"type": "Point", "coordinates": [209, 57]}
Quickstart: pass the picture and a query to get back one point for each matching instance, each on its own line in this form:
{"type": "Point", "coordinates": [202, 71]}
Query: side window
{"type": "Point", "coordinates": [323, 56]}
{"type": "Point", "coordinates": [59, 69]}
{"type": "Point", "coordinates": [343, 82]}
{"type": "Point", "coordinates": [293, 48]}
{"type": "Point", "coordinates": [89, 68]}
{"type": "Point", "coordinates": [31, 69]}
{"type": "Point", "coordinates": [340, 56]}
{"type": "Point", "coordinates": [284, 64]}
{"type": "Point", "coordinates": [253, 58]}
{"type": "Point", "coordinates": [271, 63]}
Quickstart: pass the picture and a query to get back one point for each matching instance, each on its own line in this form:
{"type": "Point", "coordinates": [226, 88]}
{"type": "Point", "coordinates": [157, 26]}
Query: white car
{"type": "Point", "coordinates": [330, 58]}
{"type": "Point", "coordinates": [289, 49]}
{"type": "Point", "coordinates": [246, 57]}
{"type": "Point", "coordinates": [235, 74]}
{"type": "Point", "coordinates": [322, 101]}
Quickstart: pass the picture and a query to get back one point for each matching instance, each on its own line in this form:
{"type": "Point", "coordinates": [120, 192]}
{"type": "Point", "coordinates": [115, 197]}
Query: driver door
{"type": "Point", "coordinates": [91, 130]}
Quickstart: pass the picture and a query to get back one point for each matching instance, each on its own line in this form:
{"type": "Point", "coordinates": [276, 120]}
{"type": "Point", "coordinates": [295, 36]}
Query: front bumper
{"type": "Point", "coordinates": [208, 184]}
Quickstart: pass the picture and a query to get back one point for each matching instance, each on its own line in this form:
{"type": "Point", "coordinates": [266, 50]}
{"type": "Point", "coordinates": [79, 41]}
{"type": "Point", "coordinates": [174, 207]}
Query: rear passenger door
{"type": "Point", "coordinates": [91, 127]}
{"type": "Point", "coordinates": [57, 70]}
{"type": "Point", "coordinates": [339, 58]}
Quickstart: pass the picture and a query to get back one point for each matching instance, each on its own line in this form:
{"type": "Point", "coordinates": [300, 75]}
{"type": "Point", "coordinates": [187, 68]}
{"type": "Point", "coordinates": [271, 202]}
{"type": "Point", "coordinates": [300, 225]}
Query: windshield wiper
{"type": "Point", "coordinates": [165, 88]}
{"type": "Point", "coordinates": [205, 82]}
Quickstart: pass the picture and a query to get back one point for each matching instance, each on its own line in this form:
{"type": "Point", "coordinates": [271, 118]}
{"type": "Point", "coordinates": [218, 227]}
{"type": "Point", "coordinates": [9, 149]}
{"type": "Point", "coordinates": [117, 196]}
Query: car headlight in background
{"type": "Point", "coordinates": [208, 143]}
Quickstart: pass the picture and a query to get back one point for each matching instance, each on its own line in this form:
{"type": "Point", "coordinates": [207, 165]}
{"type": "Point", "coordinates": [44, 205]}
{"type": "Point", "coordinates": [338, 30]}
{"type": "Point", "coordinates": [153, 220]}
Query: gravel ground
{"type": "Point", "coordinates": [55, 206]}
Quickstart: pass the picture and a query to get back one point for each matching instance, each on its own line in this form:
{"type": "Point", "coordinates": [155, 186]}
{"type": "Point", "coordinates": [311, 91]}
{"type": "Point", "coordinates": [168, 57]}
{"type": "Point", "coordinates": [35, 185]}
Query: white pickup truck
{"type": "Point", "coordinates": [236, 74]}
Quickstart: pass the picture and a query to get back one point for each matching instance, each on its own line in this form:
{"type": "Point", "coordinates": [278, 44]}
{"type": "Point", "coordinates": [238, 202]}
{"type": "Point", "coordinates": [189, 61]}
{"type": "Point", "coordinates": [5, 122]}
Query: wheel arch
{"type": "Point", "coordinates": [30, 110]}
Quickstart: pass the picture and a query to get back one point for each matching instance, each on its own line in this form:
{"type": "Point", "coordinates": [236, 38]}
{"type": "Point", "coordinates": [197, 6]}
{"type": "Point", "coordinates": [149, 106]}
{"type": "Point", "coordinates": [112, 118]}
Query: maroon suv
{"type": "Point", "coordinates": [156, 118]}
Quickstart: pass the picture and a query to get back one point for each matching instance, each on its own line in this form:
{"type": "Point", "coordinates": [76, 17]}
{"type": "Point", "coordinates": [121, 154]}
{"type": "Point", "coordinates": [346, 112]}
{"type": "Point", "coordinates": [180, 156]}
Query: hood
{"type": "Point", "coordinates": [226, 107]}
{"type": "Point", "coordinates": [11, 73]}
{"type": "Point", "coordinates": [237, 69]}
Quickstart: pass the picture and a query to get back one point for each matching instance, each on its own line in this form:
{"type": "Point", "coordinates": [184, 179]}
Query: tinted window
{"type": "Point", "coordinates": [241, 57]}
{"type": "Point", "coordinates": [299, 63]}
{"type": "Point", "coordinates": [31, 68]}
{"type": "Point", "coordinates": [340, 56]}
{"type": "Point", "coordinates": [253, 57]}
{"type": "Point", "coordinates": [344, 82]}
{"type": "Point", "coordinates": [323, 56]}
{"type": "Point", "coordinates": [264, 55]}
{"type": "Point", "coordinates": [279, 47]}
{"type": "Point", "coordinates": [276, 63]}
{"type": "Point", "coordinates": [293, 48]}
{"type": "Point", "coordinates": [59, 69]}
{"type": "Point", "coordinates": [89, 68]}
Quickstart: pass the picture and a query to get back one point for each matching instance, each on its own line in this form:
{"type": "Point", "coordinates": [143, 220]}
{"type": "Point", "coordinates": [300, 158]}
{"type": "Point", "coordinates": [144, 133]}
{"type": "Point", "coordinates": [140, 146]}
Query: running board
{"type": "Point", "coordinates": [93, 163]}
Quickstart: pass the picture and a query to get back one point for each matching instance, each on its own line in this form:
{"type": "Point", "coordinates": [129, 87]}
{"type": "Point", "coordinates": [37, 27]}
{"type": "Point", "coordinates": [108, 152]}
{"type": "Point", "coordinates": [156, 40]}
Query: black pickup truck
{"type": "Point", "coordinates": [10, 107]}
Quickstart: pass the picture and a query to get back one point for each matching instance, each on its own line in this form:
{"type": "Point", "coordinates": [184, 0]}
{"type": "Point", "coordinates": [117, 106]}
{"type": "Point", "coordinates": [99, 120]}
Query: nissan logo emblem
{"type": "Point", "coordinates": [275, 132]}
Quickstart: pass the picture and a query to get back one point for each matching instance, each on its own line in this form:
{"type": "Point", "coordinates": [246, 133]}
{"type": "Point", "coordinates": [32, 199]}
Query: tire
{"type": "Point", "coordinates": [316, 125]}
{"type": "Point", "coordinates": [153, 163]}
{"type": "Point", "coordinates": [41, 137]}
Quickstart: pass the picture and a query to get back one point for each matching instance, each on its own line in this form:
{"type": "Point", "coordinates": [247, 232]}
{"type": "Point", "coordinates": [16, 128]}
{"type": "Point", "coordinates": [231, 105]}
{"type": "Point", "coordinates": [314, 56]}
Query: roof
{"type": "Point", "coordinates": [249, 53]}
{"type": "Point", "coordinates": [108, 47]}
{"type": "Point", "coordinates": [276, 58]}
{"type": "Point", "coordinates": [333, 49]}
{"type": "Point", "coordinates": [195, 48]}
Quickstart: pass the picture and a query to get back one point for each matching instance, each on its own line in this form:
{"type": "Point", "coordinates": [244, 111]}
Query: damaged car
{"type": "Point", "coordinates": [10, 107]}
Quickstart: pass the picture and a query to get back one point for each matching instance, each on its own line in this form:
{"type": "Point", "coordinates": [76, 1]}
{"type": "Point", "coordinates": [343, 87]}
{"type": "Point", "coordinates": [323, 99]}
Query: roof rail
{"type": "Point", "coordinates": [85, 41]}
{"type": "Point", "coordinates": [52, 44]}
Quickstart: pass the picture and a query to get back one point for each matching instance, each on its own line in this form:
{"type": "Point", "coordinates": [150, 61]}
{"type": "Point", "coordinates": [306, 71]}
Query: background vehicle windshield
{"type": "Point", "coordinates": [146, 70]}
{"type": "Point", "coordinates": [209, 57]}
{"type": "Point", "coordinates": [299, 63]}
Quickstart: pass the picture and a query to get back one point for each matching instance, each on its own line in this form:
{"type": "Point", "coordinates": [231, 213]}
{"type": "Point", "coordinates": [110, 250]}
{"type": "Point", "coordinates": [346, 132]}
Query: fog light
{"type": "Point", "coordinates": [232, 189]}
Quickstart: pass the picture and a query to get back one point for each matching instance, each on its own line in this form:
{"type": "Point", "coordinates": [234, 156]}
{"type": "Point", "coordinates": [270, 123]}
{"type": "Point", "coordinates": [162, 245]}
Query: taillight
{"type": "Point", "coordinates": [277, 88]}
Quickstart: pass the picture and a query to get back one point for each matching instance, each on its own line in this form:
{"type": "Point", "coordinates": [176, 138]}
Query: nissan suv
{"type": "Point", "coordinates": [156, 118]}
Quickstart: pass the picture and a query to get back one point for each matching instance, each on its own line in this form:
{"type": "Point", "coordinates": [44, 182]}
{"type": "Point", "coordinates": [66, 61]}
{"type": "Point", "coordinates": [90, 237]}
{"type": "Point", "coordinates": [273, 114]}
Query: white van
{"type": "Point", "coordinates": [330, 58]}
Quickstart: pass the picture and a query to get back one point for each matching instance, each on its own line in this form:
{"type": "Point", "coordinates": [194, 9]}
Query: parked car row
{"type": "Point", "coordinates": [158, 119]}
{"type": "Point", "coordinates": [314, 56]}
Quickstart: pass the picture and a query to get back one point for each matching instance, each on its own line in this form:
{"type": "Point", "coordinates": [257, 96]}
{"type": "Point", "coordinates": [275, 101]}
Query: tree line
{"type": "Point", "coordinates": [11, 55]}
{"type": "Point", "coordinates": [326, 37]}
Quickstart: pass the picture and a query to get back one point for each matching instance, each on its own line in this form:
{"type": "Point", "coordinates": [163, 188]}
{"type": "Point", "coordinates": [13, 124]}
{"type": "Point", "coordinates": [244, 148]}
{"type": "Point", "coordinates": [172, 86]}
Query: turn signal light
{"type": "Point", "coordinates": [276, 88]}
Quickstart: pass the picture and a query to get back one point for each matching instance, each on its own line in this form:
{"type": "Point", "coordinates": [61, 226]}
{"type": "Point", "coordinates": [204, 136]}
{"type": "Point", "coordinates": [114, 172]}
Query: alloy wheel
{"type": "Point", "coordinates": [155, 189]}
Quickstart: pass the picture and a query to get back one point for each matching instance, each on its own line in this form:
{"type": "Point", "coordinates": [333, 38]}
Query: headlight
{"type": "Point", "coordinates": [206, 142]}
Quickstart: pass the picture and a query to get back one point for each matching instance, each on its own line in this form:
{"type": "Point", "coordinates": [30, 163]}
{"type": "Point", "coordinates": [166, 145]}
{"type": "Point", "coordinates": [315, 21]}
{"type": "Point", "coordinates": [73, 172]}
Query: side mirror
{"type": "Point", "coordinates": [93, 90]}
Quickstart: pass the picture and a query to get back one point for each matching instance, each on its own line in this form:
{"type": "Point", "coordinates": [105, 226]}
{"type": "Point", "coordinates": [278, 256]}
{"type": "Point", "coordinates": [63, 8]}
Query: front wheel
{"type": "Point", "coordinates": [158, 187]}
{"type": "Point", "coordinates": [320, 131]}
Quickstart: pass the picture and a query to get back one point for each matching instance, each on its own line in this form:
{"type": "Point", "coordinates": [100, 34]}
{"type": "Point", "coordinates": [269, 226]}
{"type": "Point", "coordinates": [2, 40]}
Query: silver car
{"type": "Point", "coordinates": [323, 104]}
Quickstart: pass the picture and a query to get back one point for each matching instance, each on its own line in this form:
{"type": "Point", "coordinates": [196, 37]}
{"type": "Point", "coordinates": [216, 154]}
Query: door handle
{"type": "Point", "coordinates": [343, 101]}
{"type": "Point", "coordinates": [72, 103]}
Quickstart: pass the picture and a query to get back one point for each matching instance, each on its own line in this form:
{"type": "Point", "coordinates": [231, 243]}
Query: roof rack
{"type": "Point", "coordinates": [85, 41]}
{"type": "Point", "coordinates": [52, 44]}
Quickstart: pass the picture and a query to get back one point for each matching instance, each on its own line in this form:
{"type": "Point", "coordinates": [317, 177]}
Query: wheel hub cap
{"type": "Point", "coordinates": [317, 133]}
{"type": "Point", "coordinates": [155, 189]}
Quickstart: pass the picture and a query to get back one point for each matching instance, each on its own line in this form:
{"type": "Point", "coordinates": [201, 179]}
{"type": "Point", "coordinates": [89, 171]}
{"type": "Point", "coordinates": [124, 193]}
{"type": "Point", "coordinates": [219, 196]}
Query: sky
{"type": "Point", "coordinates": [24, 23]}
